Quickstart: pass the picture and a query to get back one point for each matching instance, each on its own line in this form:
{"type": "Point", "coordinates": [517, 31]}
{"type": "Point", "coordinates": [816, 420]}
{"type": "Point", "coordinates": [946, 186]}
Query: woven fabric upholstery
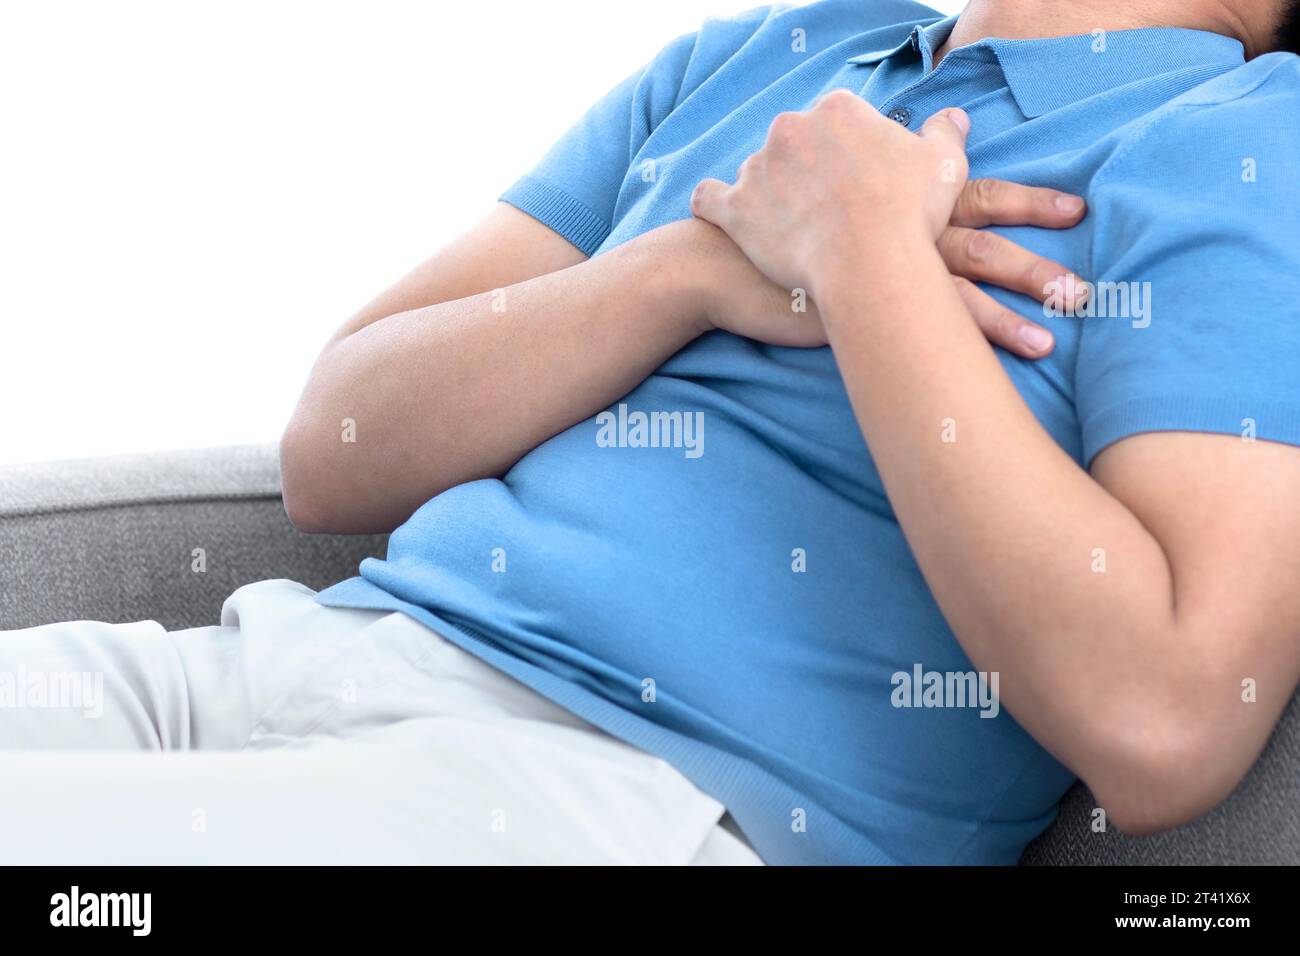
{"type": "Point", "coordinates": [112, 539]}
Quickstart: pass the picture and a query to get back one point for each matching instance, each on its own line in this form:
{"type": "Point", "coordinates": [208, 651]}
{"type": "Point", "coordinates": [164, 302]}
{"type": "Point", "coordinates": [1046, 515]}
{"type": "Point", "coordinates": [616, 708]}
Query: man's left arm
{"type": "Point", "coordinates": [1125, 609]}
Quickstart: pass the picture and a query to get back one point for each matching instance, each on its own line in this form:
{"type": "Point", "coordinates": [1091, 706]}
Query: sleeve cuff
{"type": "Point", "coordinates": [553, 207]}
{"type": "Point", "coordinates": [1270, 420]}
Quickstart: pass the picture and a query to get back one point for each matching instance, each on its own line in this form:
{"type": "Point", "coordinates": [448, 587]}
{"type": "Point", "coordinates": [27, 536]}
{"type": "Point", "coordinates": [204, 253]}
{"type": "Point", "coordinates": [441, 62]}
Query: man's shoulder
{"type": "Point", "coordinates": [1268, 81]}
{"type": "Point", "coordinates": [1215, 172]}
{"type": "Point", "coordinates": [1243, 117]}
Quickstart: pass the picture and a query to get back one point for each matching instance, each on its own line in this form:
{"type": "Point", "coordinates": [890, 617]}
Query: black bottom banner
{"type": "Point", "coordinates": [335, 906]}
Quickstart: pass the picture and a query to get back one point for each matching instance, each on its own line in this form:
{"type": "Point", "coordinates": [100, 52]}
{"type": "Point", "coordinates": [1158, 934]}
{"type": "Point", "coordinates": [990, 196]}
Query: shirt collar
{"type": "Point", "coordinates": [926, 37]}
{"type": "Point", "coordinates": [1047, 74]}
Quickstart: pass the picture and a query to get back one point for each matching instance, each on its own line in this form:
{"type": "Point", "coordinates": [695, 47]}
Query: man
{"type": "Point", "coordinates": [909, 586]}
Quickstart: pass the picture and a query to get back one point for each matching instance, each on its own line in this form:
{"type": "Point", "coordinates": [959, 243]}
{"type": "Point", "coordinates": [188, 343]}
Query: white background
{"type": "Point", "coordinates": [194, 194]}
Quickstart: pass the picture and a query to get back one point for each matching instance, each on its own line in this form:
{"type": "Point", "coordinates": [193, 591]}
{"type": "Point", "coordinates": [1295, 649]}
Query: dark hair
{"type": "Point", "coordinates": [1288, 31]}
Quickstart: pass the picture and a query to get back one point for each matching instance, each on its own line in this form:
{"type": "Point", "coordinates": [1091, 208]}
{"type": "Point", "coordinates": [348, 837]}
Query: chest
{"type": "Point", "coordinates": [804, 387]}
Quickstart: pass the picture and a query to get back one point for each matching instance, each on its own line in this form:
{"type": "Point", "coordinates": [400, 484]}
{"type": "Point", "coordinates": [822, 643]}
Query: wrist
{"type": "Point", "coordinates": [871, 264]}
{"type": "Point", "coordinates": [675, 272]}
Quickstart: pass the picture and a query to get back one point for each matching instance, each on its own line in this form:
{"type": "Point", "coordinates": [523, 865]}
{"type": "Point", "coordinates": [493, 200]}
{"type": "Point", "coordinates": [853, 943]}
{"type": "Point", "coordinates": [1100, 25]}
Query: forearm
{"type": "Point", "coordinates": [461, 390]}
{"type": "Point", "coordinates": [1010, 533]}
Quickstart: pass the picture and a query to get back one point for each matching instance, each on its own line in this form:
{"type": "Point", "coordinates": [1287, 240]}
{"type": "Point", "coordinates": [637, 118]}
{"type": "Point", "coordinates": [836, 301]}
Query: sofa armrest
{"type": "Point", "coordinates": [114, 539]}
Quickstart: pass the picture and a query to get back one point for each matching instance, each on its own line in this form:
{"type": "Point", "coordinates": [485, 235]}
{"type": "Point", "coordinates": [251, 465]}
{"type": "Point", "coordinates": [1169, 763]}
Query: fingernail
{"type": "Point", "coordinates": [960, 120]}
{"type": "Point", "coordinates": [1070, 205]}
{"type": "Point", "coordinates": [1035, 339]}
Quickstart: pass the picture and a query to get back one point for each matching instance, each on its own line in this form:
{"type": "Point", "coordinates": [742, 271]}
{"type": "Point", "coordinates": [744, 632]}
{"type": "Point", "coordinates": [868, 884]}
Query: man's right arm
{"type": "Point", "coordinates": [510, 335]}
{"type": "Point", "coordinates": [526, 338]}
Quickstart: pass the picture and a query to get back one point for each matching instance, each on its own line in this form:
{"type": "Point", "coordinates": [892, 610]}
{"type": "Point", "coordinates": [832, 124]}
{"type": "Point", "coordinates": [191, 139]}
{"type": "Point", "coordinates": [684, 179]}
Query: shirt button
{"type": "Point", "coordinates": [901, 115]}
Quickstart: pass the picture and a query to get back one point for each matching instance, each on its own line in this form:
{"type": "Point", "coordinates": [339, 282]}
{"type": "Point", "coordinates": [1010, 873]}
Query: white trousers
{"type": "Point", "coordinates": [298, 733]}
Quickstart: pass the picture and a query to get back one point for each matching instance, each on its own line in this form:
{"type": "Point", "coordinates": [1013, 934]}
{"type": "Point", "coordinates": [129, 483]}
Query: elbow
{"type": "Point", "coordinates": [300, 490]}
{"type": "Point", "coordinates": [304, 516]}
{"type": "Point", "coordinates": [329, 494]}
{"type": "Point", "coordinates": [1162, 773]}
{"type": "Point", "coordinates": [1149, 810]}
{"type": "Point", "coordinates": [328, 483]}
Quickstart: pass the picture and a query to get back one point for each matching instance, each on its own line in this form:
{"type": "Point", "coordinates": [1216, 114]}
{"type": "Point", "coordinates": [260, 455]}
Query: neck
{"type": "Point", "coordinates": [1039, 19]}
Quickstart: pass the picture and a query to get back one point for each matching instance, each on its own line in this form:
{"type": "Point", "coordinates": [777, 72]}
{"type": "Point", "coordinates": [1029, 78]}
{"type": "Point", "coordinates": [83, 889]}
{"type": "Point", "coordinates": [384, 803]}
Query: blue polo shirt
{"type": "Point", "coordinates": [712, 570]}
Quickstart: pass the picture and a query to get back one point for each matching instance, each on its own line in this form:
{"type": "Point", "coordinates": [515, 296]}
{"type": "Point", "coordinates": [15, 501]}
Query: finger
{"type": "Point", "coordinates": [950, 125]}
{"type": "Point", "coordinates": [709, 201]}
{"type": "Point", "coordinates": [996, 202]}
{"type": "Point", "coordinates": [983, 256]}
{"type": "Point", "coordinates": [1003, 326]}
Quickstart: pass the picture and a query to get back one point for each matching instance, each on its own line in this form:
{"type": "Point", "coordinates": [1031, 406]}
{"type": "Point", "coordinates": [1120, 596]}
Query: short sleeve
{"type": "Point", "coordinates": [1196, 263]}
{"type": "Point", "coordinates": [574, 188]}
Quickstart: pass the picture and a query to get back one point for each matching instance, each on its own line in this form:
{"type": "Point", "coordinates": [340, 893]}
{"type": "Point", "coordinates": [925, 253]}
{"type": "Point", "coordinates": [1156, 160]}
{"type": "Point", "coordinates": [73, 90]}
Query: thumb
{"type": "Point", "coordinates": [709, 200]}
{"type": "Point", "coordinates": [950, 126]}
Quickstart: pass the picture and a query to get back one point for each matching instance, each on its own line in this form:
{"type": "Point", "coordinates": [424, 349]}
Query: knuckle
{"type": "Point", "coordinates": [950, 245]}
{"type": "Point", "coordinates": [837, 100]}
{"type": "Point", "coordinates": [986, 194]}
{"type": "Point", "coordinates": [784, 129]}
{"type": "Point", "coordinates": [1041, 274]}
{"type": "Point", "coordinates": [980, 246]}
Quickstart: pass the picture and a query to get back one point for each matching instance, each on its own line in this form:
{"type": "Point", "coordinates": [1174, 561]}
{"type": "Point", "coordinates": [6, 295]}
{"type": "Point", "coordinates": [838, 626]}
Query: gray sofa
{"type": "Point", "coordinates": [112, 539]}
